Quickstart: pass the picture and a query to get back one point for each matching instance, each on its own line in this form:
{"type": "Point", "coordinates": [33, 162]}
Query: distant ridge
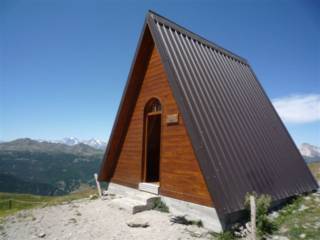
{"type": "Point", "coordinates": [30, 145]}
{"type": "Point", "coordinates": [310, 152]}
{"type": "Point", "coordinates": [46, 168]}
{"type": "Point", "coordinates": [92, 142]}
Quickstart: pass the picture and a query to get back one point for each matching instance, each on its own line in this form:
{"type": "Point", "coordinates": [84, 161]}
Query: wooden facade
{"type": "Point", "coordinates": [180, 175]}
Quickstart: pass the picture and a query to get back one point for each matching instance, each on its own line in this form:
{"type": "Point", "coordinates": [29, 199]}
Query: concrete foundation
{"type": "Point", "coordinates": [191, 211]}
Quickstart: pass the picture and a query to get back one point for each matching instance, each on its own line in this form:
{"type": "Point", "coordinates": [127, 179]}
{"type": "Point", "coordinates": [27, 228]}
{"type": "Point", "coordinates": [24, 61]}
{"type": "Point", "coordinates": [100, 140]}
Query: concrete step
{"type": "Point", "coordinates": [143, 196]}
{"type": "Point", "coordinates": [130, 199]}
{"type": "Point", "coordinates": [130, 192]}
{"type": "Point", "coordinates": [127, 204]}
{"type": "Point", "coordinates": [149, 187]}
{"type": "Point", "coordinates": [133, 205]}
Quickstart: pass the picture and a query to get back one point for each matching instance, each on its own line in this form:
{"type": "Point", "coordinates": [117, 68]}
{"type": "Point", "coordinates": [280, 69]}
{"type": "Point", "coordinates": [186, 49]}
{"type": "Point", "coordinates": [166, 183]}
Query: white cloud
{"type": "Point", "coordinates": [298, 108]}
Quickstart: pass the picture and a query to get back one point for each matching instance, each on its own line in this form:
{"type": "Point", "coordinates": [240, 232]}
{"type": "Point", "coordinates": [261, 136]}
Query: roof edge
{"type": "Point", "coordinates": [122, 100]}
{"type": "Point", "coordinates": [197, 37]}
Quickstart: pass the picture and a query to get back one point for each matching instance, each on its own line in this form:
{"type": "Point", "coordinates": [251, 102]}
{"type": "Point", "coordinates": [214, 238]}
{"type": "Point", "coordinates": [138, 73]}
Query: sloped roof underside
{"type": "Point", "coordinates": [240, 141]}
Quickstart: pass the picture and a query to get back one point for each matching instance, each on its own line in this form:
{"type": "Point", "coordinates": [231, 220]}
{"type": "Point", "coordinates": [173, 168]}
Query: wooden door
{"type": "Point", "coordinates": [152, 147]}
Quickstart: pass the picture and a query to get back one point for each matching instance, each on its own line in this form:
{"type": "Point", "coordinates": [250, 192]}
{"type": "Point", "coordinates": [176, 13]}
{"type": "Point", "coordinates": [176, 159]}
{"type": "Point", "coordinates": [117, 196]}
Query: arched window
{"type": "Point", "coordinates": [153, 106]}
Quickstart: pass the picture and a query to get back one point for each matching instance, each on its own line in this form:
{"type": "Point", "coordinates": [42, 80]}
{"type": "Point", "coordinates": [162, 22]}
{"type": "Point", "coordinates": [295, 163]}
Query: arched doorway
{"type": "Point", "coordinates": [152, 140]}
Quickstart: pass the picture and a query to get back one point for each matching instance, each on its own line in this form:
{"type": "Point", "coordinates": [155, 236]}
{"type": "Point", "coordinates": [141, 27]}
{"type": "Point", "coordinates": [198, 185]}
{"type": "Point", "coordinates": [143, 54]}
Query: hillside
{"type": "Point", "coordinates": [29, 166]}
{"type": "Point", "coordinates": [33, 146]}
{"type": "Point", "coordinates": [315, 169]}
{"type": "Point", "coordinates": [310, 152]}
{"type": "Point", "coordinates": [9, 183]}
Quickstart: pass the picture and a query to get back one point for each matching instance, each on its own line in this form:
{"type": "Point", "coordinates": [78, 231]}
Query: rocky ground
{"type": "Point", "coordinates": [94, 219]}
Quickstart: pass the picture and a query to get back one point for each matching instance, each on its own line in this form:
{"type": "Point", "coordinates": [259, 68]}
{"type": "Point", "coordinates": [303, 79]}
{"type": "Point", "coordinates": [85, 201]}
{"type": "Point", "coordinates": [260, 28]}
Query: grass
{"type": "Point", "coordinates": [315, 169]}
{"type": "Point", "coordinates": [227, 235]}
{"type": "Point", "coordinates": [11, 203]}
{"type": "Point", "coordinates": [160, 206]}
{"type": "Point", "coordinates": [300, 218]}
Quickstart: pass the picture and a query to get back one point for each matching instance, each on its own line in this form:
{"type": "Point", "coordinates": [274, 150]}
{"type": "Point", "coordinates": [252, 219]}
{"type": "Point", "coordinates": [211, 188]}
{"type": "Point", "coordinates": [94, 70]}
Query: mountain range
{"type": "Point", "coordinates": [71, 141]}
{"type": "Point", "coordinates": [46, 168]}
{"type": "Point", "coordinates": [59, 167]}
{"type": "Point", "coordinates": [310, 152]}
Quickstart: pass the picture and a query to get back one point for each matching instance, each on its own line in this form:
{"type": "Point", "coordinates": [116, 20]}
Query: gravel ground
{"type": "Point", "coordinates": [94, 219]}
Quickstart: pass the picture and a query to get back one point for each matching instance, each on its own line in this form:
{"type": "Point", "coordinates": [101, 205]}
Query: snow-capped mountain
{"type": "Point", "coordinates": [96, 143]}
{"type": "Point", "coordinates": [69, 141]}
{"type": "Point", "coordinates": [93, 142]}
{"type": "Point", "coordinates": [310, 152]}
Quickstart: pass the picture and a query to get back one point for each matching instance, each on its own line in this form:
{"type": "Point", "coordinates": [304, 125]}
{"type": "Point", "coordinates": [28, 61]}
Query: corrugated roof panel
{"type": "Point", "coordinates": [240, 141]}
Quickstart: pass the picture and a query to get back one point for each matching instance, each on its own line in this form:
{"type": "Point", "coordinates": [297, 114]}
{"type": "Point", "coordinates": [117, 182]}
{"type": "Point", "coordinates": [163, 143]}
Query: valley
{"type": "Point", "coordinates": [43, 168]}
{"type": "Point", "coordinates": [59, 167]}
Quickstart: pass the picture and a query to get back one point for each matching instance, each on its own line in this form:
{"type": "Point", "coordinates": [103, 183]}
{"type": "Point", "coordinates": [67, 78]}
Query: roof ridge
{"type": "Point", "coordinates": [189, 33]}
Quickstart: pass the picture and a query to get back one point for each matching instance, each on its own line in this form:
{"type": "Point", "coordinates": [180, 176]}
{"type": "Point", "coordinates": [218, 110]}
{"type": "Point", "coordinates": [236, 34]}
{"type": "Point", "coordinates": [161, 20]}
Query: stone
{"type": "Point", "coordinates": [274, 215]}
{"type": "Point", "coordinates": [276, 237]}
{"type": "Point", "coordinates": [302, 235]}
{"type": "Point", "coordinates": [93, 196]}
{"type": "Point", "coordinates": [302, 208]}
{"type": "Point", "coordinates": [105, 193]}
{"type": "Point", "coordinates": [196, 231]}
{"type": "Point", "coordinates": [138, 223]}
{"type": "Point", "coordinates": [41, 234]}
{"type": "Point", "coordinates": [248, 226]}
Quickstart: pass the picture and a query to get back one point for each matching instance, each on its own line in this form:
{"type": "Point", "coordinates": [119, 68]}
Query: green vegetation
{"type": "Point", "coordinates": [183, 220]}
{"type": "Point", "coordinates": [10, 203]}
{"type": "Point", "coordinates": [300, 218]}
{"type": "Point", "coordinates": [315, 169]}
{"type": "Point", "coordinates": [226, 235]}
{"type": "Point", "coordinates": [197, 223]}
{"type": "Point", "coordinates": [160, 206]}
{"type": "Point", "coordinates": [264, 224]}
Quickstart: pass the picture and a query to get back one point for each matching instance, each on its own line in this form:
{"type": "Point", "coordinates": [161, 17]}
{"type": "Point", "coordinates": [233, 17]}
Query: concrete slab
{"type": "Point", "coordinates": [131, 200]}
{"type": "Point", "coordinates": [133, 197]}
{"type": "Point", "coordinates": [196, 212]}
{"type": "Point", "coordinates": [149, 187]}
{"type": "Point", "coordinates": [130, 205]}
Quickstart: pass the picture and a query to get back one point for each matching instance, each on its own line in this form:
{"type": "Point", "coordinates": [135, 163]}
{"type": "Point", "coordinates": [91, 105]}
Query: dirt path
{"type": "Point", "coordinates": [93, 219]}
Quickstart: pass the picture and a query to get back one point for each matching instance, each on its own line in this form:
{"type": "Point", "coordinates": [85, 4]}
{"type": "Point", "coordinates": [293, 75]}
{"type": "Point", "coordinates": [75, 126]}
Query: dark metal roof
{"type": "Point", "coordinates": [239, 140]}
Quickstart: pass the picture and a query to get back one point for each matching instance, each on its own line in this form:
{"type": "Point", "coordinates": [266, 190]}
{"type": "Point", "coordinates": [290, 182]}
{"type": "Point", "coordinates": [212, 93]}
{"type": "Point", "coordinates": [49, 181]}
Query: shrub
{"type": "Point", "coordinates": [263, 223]}
{"type": "Point", "coordinates": [184, 221]}
{"type": "Point", "coordinates": [160, 206]}
{"type": "Point", "coordinates": [198, 223]}
{"type": "Point", "coordinates": [226, 235]}
{"type": "Point", "coordinates": [93, 197]}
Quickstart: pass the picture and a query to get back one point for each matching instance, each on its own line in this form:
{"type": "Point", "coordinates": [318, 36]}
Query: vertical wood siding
{"type": "Point", "coordinates": [180, 175]}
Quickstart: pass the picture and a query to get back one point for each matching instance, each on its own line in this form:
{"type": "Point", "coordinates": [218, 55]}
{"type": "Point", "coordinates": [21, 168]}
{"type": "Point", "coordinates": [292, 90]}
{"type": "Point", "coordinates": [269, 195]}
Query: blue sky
{"type": "Point", "coordinates": [63, 64]}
